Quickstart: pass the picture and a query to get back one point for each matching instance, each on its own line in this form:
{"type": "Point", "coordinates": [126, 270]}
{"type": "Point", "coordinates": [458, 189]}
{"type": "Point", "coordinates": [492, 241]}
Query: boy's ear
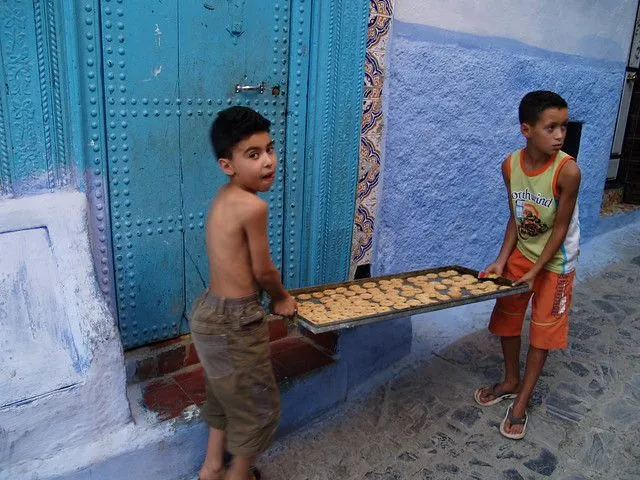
{"type": "Point", "coordinates": [226, 166]}
{"type": "Point", "coordinates": [525, 129]}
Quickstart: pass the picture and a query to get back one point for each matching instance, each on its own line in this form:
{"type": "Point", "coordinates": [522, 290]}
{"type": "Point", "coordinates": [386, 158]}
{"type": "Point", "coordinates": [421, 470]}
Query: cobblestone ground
{"type": "Point", "coordinates": [419, 420]}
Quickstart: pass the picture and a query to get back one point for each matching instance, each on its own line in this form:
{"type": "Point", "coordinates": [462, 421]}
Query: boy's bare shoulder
{"type": "Point", "coordinates": [256, 212]}
{"type": "Point", "coordinates": [571, 168]}
{"type": "Point", "coordinates": [569, 175]}
{"type": "Point", "coordinates": [243, 205]}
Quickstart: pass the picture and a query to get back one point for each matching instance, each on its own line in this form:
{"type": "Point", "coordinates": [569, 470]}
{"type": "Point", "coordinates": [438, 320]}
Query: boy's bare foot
{"type": "Point", "coordinates": [489, 395]}
{"type": "Point", "coordinates": [208, 473]}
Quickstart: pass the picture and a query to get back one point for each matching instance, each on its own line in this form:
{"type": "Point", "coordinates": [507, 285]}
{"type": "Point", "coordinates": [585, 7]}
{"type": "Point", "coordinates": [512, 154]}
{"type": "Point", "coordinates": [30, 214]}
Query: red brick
{"type": "Point", "coordinates": [171, 360]}
{"type": "Point", "coordinates": [285, 344]}
{"type": "Point", "coordinates": [146, 369]}
{"type": "Point", "coordinates": [192, 356]}
{"type": "Point", "coordinates": [277, 329]}
{"type": "Point", "coordinates": [328, 340]}
{"type": "Point", "coordinates": [166, 398]}
{"type": "Point", "coordinates": [192, 383]}
{"type": "Point", "coordinates": [166, 343]}
{"type": "Point", "coordinates": [293, 357]}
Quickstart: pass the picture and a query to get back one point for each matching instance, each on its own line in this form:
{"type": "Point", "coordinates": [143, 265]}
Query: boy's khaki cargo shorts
{"type": "Point", "coordinates": [231, 337]}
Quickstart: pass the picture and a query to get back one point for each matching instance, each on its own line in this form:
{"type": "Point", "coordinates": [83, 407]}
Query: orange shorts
{"type": "Point", "coordinates": [552, 293]}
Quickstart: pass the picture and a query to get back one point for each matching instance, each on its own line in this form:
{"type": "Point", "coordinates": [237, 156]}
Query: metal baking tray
{"type": "Point", "coordinates": [364, 320]}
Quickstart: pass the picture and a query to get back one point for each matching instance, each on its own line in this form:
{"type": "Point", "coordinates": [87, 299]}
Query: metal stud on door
{"type": "Point", "coordinates": [140, 62]}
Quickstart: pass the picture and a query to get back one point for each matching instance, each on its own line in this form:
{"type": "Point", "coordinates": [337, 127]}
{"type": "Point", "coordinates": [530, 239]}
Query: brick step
{"type": "Point", "coordinates": [176, 354]}
{"type": "Point", "coordinates": [292, 357]}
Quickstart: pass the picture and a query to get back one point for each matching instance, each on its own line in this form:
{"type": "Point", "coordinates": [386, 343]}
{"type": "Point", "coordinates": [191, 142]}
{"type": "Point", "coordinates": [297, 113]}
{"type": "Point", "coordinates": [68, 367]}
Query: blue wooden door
{"type": "Point", "coordinates": [169, 67]}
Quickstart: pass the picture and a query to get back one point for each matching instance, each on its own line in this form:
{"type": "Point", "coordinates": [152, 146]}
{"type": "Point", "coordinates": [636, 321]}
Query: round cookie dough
{"type": "Point", "coordinates": [423, 297]}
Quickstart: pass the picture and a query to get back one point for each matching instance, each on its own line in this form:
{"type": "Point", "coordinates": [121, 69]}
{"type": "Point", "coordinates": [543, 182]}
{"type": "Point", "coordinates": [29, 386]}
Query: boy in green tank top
{"type": "Point", "coordinates": [539, 249]}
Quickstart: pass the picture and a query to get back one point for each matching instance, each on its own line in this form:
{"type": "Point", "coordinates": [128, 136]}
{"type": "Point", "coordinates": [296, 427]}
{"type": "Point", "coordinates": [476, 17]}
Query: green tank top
{"type": "Point", "coordinates": [534, 197]}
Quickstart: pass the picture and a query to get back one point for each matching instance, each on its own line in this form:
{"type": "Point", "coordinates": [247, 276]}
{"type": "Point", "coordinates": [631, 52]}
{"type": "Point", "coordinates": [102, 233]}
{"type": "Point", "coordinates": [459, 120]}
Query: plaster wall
{"type": "Point", "coordinates": [591, 29]}
{"type": "Point", "coordinates": [63, 378]}
{"type": "Point", "coordinates": [451, 118]}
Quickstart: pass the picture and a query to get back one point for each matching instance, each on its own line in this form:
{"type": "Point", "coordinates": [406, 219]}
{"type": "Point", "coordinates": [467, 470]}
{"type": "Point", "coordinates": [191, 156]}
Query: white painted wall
{"type": "Point", "coordinates": [592, 28]}
{"type": "Point", "coordinates": [62, 377]}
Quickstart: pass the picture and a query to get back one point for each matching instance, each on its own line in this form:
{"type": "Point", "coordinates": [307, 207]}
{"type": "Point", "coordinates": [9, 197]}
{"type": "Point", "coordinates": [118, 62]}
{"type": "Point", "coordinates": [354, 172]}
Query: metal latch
{"type": "Point", "coordinates": [631, 76]}
{"type": "Point", "coordinates": [250, 88]}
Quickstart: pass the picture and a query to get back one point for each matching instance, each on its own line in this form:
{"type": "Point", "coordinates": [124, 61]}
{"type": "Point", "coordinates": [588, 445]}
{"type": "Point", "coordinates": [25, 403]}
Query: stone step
{"type": "Point", "coordinates": [292, 357]}
{"type": "Point", "coordinates": [173, 355]}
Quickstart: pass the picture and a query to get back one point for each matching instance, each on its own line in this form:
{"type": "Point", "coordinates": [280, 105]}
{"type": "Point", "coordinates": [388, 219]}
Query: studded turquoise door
{"type": "Point", "coordinates": [169, 67]}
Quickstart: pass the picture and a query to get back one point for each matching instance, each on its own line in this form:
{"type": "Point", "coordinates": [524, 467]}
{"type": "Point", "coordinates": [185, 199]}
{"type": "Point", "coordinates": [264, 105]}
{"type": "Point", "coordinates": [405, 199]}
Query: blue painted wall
{"type": "Point", "coordinates": [451, 105]}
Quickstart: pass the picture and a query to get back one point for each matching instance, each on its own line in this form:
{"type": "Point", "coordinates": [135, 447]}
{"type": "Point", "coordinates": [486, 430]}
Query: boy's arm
{"type": "Point", "coordinates": [510, 234]}
{"type": "Point", "coordinates": [568, 186]}
{"type": "Point", "coordinates": [264, 271]}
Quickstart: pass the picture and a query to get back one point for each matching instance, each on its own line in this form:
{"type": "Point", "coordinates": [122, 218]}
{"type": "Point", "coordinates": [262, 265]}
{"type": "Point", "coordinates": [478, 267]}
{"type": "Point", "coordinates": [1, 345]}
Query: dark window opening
{"type": "Point", "coordinates": [629, 171]}
{"type": "Point", "coordinates": [363, 271]}
{"type": "Point", "coordinates": [572, 140]}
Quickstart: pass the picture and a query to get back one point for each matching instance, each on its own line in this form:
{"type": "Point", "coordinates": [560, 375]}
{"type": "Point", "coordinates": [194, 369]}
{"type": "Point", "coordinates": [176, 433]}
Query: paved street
{"type": "Point", "coordinates": [419, 421]}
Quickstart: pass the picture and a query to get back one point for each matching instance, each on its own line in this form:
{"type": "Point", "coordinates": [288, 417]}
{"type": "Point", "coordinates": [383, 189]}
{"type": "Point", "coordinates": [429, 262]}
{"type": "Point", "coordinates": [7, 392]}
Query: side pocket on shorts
{"type": "Point", "coordinates": [251, 315]}
{"type": "Point", "coordinates": [560, 299]}
{"type": "Point", "coordinates": [213, 351]}
{"type": "Point", "coordinates": [199, 310]}
{"type": "Point", "coordinates": [266, 399]}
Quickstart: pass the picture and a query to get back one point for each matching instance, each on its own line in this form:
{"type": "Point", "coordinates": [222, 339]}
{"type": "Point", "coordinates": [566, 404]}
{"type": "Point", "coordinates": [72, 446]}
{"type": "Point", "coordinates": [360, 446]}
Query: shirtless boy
{"type": "Point", "coordinates": [228, 322]}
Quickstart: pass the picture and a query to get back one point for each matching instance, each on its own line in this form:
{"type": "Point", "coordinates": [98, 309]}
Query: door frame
{"type": "Point", "coordinates": [631, 72]}
{"type": "Point", "coordinates": [335, 66]}
{"type": "Point", "coordinates": [324, 109]}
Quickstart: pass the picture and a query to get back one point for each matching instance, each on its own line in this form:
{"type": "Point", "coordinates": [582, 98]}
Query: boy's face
{"type": "Point", "coordinates": [548, 133]}
{"type": "Point", "coordinates": [253, 163]}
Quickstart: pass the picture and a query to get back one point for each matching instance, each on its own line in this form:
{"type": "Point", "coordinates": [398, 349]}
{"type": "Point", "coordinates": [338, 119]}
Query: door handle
{"type": "Point", "coordinates": [250, 88]}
